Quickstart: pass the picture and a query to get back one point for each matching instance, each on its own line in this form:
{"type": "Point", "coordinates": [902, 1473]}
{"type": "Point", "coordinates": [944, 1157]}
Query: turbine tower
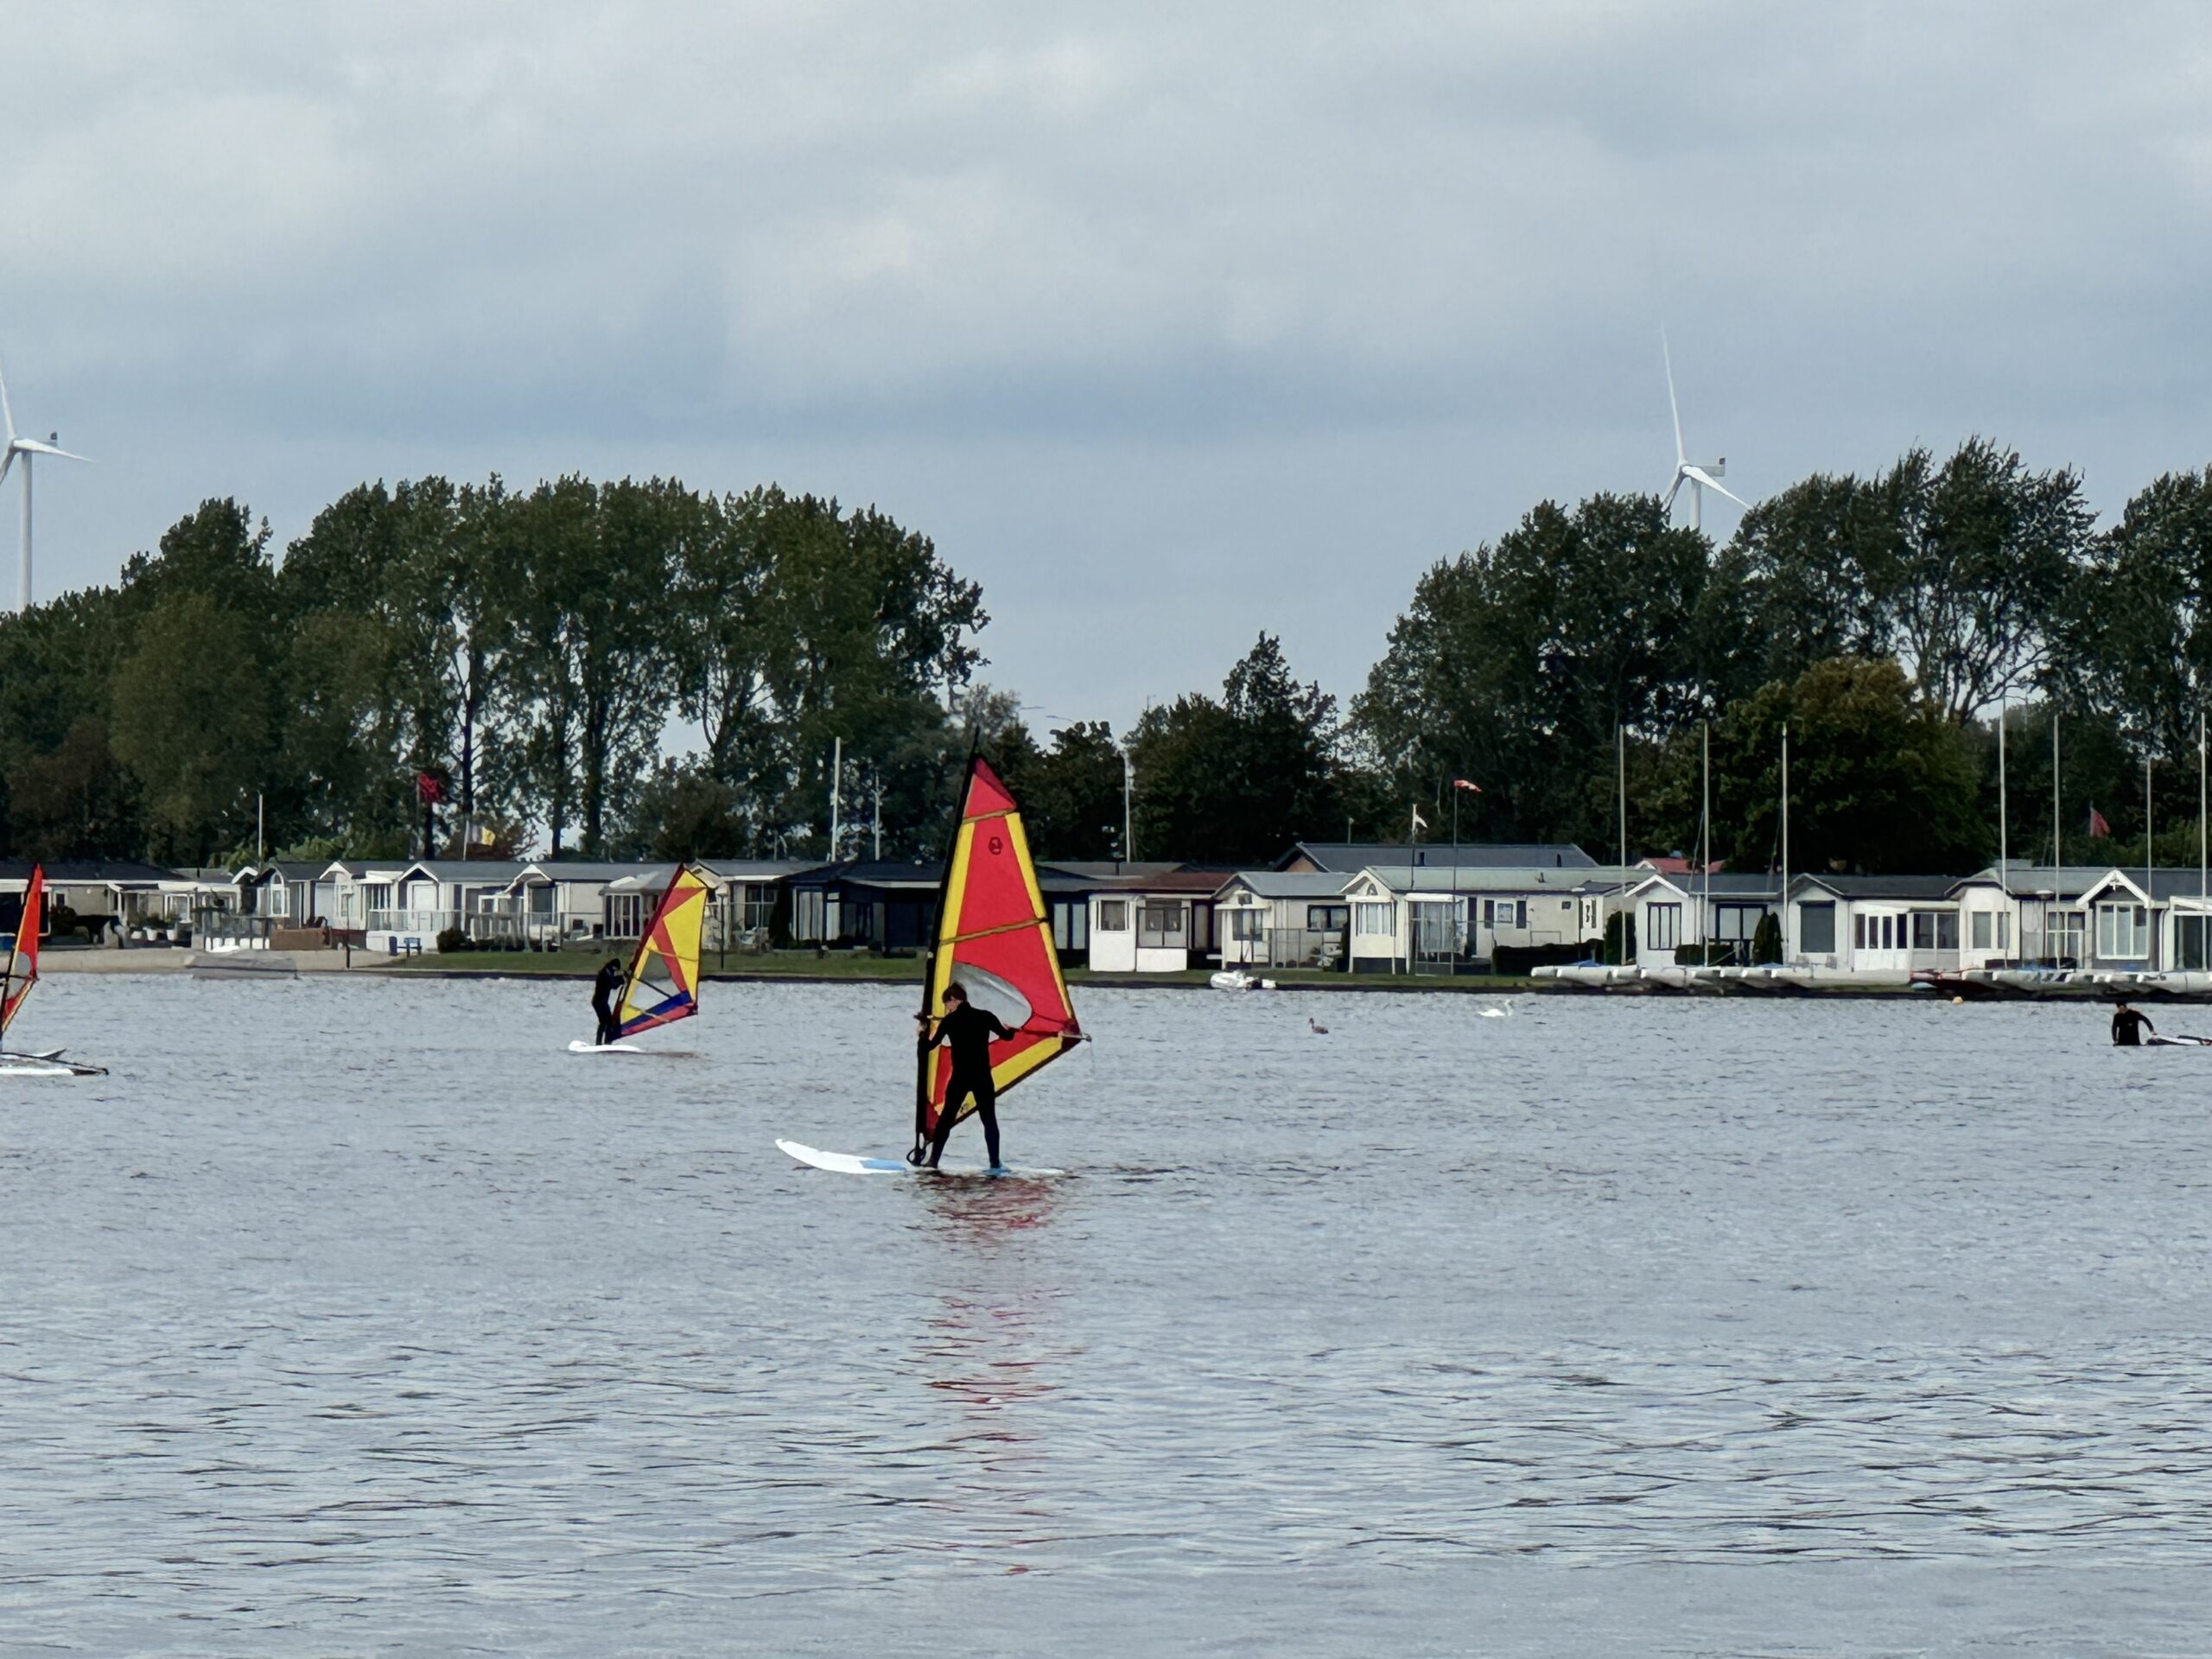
{"type": "Point", "coordinates": [1699, 479]}
{"type": "Point", "coordinates": [27, 448]}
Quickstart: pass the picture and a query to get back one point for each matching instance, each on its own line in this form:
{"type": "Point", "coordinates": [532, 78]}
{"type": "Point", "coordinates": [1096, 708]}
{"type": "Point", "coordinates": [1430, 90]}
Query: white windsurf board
{"type": "Point", "coordinates": [846, 1163]}
{"type": "Point", "coordinates": [581, 1047]}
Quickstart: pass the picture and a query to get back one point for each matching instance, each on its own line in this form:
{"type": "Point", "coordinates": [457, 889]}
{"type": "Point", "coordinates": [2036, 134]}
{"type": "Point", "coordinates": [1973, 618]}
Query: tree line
{"type": "Point", "coordinates": [535, 660]}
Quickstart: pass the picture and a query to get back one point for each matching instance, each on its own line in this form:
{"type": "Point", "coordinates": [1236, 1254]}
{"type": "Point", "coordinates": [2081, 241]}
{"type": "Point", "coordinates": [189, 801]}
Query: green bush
{"type": "Point", "coordinates": [1620, 939]}
{"type": "Point", "coordinates": [1766, 940]}
{"type": "Point", "coordinates": [452, 939]}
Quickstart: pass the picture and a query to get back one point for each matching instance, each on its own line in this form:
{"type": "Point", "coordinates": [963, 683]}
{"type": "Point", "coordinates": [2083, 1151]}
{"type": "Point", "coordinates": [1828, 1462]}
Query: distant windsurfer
{"type": "Point", "coordinates": [2128, 1027]}
{"type": "Point", "coordinates": [968, 1032]}
{"type": "Point", "coordinates": [603, 988]}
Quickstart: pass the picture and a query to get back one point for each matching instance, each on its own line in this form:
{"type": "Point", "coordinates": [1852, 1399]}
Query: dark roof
{"type": "Point", "coordinates": [89, 869]}
{"type": "Point", "coordinates": [1353, 856]}
{"type": "Point", "coordinates": [1167, 882]}
{"type": "Point", "coordinates": [1723, 884]}
{"type": "Point", "coordinates": [1883, 886]}
{"type": "Point", "coordinates": [889, 873]}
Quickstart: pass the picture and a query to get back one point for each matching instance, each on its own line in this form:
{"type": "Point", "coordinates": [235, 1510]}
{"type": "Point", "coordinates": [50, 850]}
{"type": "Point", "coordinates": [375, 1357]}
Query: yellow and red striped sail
{"type": "Point", "coordinates": [994, 940]}
{"type": "Point", "coordinates": [662, 983]}
{"type": "Point", "coordinates": [22, 951]}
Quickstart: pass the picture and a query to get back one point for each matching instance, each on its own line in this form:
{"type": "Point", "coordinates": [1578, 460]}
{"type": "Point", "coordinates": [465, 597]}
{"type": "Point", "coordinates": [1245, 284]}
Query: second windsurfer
{"type": "Point", "coordinates": [967, 1031]}
{"type": "Point", "coordinates": [603, 988]}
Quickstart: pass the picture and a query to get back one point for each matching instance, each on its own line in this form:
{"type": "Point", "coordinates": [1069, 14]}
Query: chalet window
{"type": "Point", "coordinates": [1372, 919]}
{"type": "Point", "coordinates": [1980, 931]}
{"type": "Point", "coordinates": [1326, 918]}
{"type": "Point", "coordinates": [1924, 929]}
{"type": "Point", "coordinates": [2003, 930]}
{"type": "Point", "coordinates": [1113, 915]}
{"type": "Point", "coordinates": [2188, 943]}
{"type": "Point", "coordinates": [1159, 925]}
{"type": "Point", "coordinates": [1662, 926]}
{"type": "Point", "coordinates": [2123, 932]}
{"type": "Point", "coordinates": [1244, 925]}
{"type": "Point", "coordinates": [1490, 912]}
{"type": "Point", "coordinates": [1817, 929]}
{"type": "Point", "coordinates": [1735, 923]}
{"type": "Point", "coordinates": [1859, 932]}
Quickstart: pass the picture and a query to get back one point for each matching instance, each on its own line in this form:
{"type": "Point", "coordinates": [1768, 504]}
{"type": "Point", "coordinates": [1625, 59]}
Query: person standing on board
{"type": "Point", "coordinates": [968, 1033]}
{"type": "Point", "coordinates": [608, 981]}
{"type": "Point", "coordinates": [2127, 1027]}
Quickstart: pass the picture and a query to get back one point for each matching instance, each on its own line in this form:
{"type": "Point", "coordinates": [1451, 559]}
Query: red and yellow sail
{"type": "Point", "coordinates": [662, 983]}
{"type": "Point", "coordinates": [994, 939]}
{"type": "Point", "coordinates": [22, 951]}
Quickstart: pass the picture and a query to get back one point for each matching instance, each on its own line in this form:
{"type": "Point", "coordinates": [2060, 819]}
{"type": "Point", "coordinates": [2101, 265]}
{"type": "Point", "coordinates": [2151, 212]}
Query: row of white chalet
{"type": "Point", "coordinates": [2101, 917]}
{"type": "Point", "coordinates": [403, 907]}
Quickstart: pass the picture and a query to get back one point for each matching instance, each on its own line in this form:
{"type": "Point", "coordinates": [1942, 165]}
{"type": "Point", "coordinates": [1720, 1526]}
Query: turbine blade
{"type": "Point", "coordinates": [7, 460]}
{"type": "Point", "coordinates": [1669, 504]}
{"type": "Point", "coordinates": [1672, 408]}
{"type": "Point", "coordinates": [34, 447]}
{"type": "Point", "coordinates": [6, 415]}
{"type": "Point", "coordinates": [1711, 483]}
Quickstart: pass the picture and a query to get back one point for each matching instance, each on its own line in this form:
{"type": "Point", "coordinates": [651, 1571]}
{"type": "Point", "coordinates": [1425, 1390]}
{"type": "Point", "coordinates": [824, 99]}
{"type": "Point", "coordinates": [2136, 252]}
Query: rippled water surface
{"type": "Point", "coordinates": [360, 1316]}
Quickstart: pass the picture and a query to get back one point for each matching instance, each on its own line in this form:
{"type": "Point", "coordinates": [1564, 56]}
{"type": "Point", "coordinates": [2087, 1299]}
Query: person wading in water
{"type": "Point", "coordinates": [968, 1032]}
{"type": "Point", "coordinates": [2128, 1027]}
{"type": "Point", "coordinates": [603, 988]}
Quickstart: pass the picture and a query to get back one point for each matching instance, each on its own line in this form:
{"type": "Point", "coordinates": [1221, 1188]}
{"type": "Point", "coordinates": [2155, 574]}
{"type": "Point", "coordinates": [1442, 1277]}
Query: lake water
{"type": "Point", "coordinates": [358, 1318]}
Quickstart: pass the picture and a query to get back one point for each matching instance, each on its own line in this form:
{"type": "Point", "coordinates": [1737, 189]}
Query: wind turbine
{"type": "Point", "coordinates": [27, 447]}
{"type": "Point", "coordinates": [1699, 479]}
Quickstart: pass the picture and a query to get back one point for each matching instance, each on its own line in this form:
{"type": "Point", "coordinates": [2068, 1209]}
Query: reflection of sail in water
{"type": "Point", "coordinates": [986, 1352]}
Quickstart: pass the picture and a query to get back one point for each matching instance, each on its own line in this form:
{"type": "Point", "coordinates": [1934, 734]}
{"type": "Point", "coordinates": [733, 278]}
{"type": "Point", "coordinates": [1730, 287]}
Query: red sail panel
{"type": "Point", "coordinates": [995, 939]}
{"type": "Point", "coordinates": [22, 955]}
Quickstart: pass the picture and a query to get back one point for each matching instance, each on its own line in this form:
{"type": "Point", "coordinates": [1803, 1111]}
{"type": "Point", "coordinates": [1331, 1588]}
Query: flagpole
{"type": "Point", "coordinates": [2150, 862]}
{"type": "Point", "coordinates": [2057, 854]}
{"type": "Point", "coordinates": [1785, 843]}
{"type": "Point", "coordinates": [2004, 872]}
{"type": "Point", "coordinates": [1621, 734]}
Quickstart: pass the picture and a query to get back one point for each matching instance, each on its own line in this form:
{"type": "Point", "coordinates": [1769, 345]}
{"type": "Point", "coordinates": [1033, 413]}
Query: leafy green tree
{"type": "Point", "coordinates": [1881, 780]}
{"type": "Point", "coordinates": [76, 802]}
{"type": "Point", "coordinates": [1516, 664]}
{"type": "Point", "coordinates": [1237, 780]}
{"type": "Point", "coordinates": [2137, 642]}
{"type": "Point", "coordinates": [1071, 794]}
{"type": "Point", "coordinates": [192, 723]}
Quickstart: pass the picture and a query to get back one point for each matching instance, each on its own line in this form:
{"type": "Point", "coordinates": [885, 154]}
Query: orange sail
{"type": "Point", "coordinates": [994, 941]}
{"type": "Point", "coordinates": [23, 952]}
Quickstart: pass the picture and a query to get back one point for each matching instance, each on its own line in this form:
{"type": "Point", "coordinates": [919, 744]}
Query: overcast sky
{"type": "Point", "coordinates": [1170, 323]}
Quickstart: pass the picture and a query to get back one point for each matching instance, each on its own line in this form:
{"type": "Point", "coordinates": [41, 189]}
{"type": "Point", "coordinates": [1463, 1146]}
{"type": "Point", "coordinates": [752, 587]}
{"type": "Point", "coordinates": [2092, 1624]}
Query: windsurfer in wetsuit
{"type": "Point", "coordinates": [2128, 1027]}
{"type": "Point", "coordinates": [968, 1032]}
{"type": "Point", "coordinates": [608, 981]}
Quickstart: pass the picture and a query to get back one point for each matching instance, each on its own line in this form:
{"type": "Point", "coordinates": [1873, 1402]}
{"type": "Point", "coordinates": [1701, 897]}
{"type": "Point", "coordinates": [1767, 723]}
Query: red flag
{"type": "Point", "coordinates": [2098, 827]}
{"type": "Point", "coordinates": [1461, 783]}
{"type": "Point", "coordinates": [430, 787]}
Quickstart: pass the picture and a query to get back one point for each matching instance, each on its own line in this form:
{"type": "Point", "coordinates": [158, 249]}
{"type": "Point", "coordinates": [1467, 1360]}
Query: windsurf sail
{"type": "Point", "coordinates": [23, 950]}
{"type": "Point", "coordinates": [994, 941]}
{"type": "Point", "coordinates": [662, 983]}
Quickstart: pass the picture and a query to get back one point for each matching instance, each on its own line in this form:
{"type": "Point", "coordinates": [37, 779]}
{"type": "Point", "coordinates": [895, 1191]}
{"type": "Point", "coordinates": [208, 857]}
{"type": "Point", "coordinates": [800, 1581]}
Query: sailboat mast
{"type": "Point", "coordinates": [2004, 872]}
{"type": "Point", "coordinates": [2057, 852]}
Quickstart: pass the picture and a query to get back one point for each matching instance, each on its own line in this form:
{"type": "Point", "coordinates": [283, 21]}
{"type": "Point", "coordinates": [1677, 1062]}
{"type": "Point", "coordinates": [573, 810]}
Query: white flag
{"type": "Point", "coordinates": [1420, 823]}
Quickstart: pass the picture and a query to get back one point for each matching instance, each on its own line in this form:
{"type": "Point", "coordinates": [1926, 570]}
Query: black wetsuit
{"type": "Point", "coordinates": [968, 1032]}
{"type": "Point", "coordinates": [602, 1003]}
{"type": "Point", "coordinates": [2127, 1027]}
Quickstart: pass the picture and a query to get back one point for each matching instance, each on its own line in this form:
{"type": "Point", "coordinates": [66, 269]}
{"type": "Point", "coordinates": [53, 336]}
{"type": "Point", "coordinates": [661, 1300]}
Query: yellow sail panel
{"type": "Point", "coordinates": [663, 984]}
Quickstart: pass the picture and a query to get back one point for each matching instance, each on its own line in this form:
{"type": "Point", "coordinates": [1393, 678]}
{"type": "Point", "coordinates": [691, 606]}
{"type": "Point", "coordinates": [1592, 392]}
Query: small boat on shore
{"type": "Point", "coordinates": [1236, 979]}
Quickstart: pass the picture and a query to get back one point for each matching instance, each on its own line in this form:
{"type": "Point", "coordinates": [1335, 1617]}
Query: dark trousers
{"type": "Point", "coordinates": [986, 1097]}
{"type": "Point", "coordinates": [608, 1029]}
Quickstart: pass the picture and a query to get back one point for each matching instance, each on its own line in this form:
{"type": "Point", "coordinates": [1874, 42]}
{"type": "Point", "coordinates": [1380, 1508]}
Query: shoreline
{"type": "Point", "coordinates": [806, 969]}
